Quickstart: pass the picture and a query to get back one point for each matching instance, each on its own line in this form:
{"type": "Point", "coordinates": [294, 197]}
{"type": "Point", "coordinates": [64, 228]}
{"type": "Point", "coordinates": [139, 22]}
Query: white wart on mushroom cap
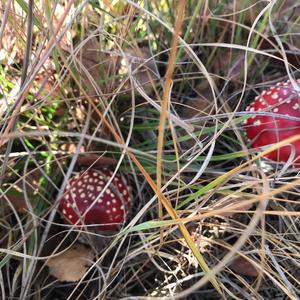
{"type": "Point", "coordinates": [82, 205]}
{"type": "Point", "coordinates": [263, 130]}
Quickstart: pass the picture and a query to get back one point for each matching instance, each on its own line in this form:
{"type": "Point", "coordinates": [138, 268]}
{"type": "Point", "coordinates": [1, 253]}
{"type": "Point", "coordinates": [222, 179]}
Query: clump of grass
{"type": "Point", "coordinates": [95, 84]}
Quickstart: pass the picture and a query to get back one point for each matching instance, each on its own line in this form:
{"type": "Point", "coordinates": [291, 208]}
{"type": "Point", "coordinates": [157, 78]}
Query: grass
{"type": "Point", "coordinates": [110, 79]}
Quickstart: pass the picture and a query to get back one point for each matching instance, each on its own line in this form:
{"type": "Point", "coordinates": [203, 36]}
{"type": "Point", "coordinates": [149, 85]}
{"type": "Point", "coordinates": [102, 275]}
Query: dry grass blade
{"type": "Point", "coordinates": [27, 86]}
{"type": "Point", "coordinates": [154, 91]}
{"type": "Point", "coordinates": [160, 144]}
{"type": "Point", "coordinates": [166, 99]}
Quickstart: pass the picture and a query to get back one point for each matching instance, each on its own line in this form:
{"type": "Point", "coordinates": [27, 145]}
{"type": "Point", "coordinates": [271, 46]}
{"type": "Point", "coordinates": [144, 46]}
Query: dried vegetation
{"type": "Point", "coordinates": [83, 85]}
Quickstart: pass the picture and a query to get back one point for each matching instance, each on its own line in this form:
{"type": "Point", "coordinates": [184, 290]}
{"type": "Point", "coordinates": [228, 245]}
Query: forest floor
{"type": "Point", "coordinates": [156, 92]}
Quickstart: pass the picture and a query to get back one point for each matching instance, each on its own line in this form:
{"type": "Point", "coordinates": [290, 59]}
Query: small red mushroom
{"type": "Point", "coordinates": [264, 130]}
{"type": "Point", "coordinates": [81, 203]}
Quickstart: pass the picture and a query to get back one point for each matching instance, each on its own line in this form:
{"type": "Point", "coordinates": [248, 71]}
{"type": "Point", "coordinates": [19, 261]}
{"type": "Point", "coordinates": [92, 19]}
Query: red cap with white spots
{"type": "Point", "coordinates": [263, 130]}
{"type": "Point", "coordinates": [82, 205]}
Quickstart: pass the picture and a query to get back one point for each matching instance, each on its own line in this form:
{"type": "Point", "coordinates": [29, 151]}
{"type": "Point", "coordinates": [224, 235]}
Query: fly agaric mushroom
{"type": "Point", "coordinates": [263, 130]}
{"type": "Point", "coordinates": [82, 204]}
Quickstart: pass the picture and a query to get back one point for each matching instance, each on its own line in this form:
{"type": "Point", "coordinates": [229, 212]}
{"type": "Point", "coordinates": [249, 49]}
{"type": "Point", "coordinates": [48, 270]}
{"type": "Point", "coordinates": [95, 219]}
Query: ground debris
{"type": "Point", "coordinates": [72, 264]}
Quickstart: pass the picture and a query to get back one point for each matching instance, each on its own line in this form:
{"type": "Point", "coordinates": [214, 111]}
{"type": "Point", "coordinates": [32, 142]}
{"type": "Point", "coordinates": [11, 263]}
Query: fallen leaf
{"type": "Point", "coordinates": [289, 12]}
{"type": "Point", "coordinates": [45, 83]}
{"type": "Point", "coordinates": [11, 49]}
{"type": "Point", "coordinates": [227, 202]}
{"type": "Point", "coordinates": [199, 106]}
{"type": "Point", "coordinates": [95, 160]}
{"type": "Point", "coordinates": [292, 55]}
{"type": "Point", "coordinates": [17, 201]}
{"type": "Point", "coordinates": [232, 66]}
{"type": "Point", "coordinates": [242, 266]}
{"type": "Point", "coordinates": [289, 15]}
{"type": "Point", "coordinates": [234, 9]}
{"type": "Point", "coordinates": [97, 68]}
{"type": "Point", "coordinates": [15, 191]}
{"type": "Point", "coordinates": [72, 264]}
{"type": "Point", "coordinates": [71, 148]}
{"type": "Point", "coordinates": [142, 67]}
{"type": "Point", "coordinates": [196, 107]}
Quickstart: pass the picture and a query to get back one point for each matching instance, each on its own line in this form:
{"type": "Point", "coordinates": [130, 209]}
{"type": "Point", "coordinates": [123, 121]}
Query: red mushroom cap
{"type": "Point", "coordinates": [263, 130]}
{"type": "Point", "coordinates": [82, 205]}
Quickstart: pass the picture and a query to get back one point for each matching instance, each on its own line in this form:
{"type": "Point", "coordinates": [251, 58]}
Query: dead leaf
{"type": "Point", "coordinates": [290, 11]}
{"type": "Point", "coordinates": [196, 107]}
{"type": "Point", "coordinates": [292, 55]}
{"type": "Point", "coordinates": [97, 68]}
{"type": "Point", "coordinates": [199, 106]}
{"type": "Point", "coordinates": [11, 49]}
{"type": "Point", "coordinates": [232, 66]}
{"type": "Point", "coordinates": [234, 9]}
{"type": "Point", "coordinates": [15, 191]}
{"type": "Point", "coordinates": [45, 83]}
{"type": "Point", "coordinates": [142, 67]}
{"type": "Point", "coordinates": [227, 202]}
{"type": "Point", "coordinates": [17, 201]}
{"type": "Point", "coordinates": [242, 266]}
{"type": "Point", "coordinates": [95, 160]}
{"type": "Point", "coordinates": [71, 148]}
{"type": "Point", "coordinates": [72, 264]}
